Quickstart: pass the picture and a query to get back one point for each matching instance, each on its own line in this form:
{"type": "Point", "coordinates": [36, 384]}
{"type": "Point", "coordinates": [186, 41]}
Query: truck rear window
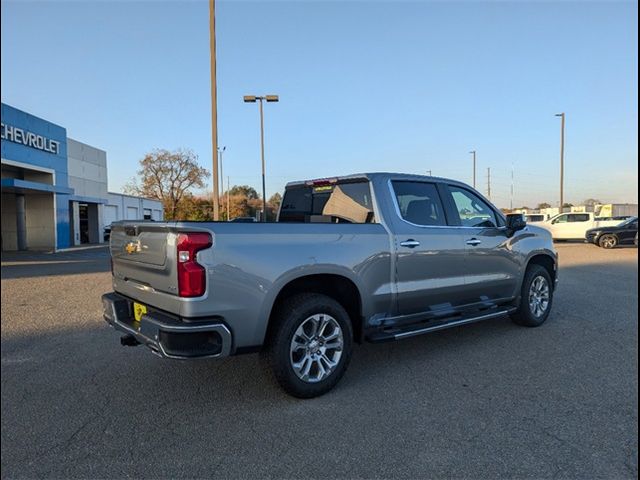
{"type": "Point", "coordinates": [346, 202]}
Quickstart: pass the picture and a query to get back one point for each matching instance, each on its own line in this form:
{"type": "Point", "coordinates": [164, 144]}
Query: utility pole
{"type": "Point", "coordinates": [473, 152]}
{"type": "Point", "coordinates": [228, 188]}
{"type": "Point", "coordinates": [511, 200]}
{"type": "Point", "coordinates": [489, 183]}
{"type": "Point", "coordinates": [562, 117]}
{"type": "Point", "coordinates": [429, 172]}
{"type": "Point", "coordinates": [264, 189]}
{"type": "Point", "coordinates": [214, 108]}
{"type": "Point", "coordinates": [220, 152]}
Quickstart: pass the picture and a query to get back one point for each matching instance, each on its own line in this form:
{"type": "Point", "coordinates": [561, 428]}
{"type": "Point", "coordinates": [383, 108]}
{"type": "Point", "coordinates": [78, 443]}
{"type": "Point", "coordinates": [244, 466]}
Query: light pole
{"type": "Point", "coordinates": [473, 152]}
{"type": "Point", "coordinates": [220, 152]}
{"type": "Point", "coordinates": [253, 99]}
{"type": "Point", "coordinates": [562, 116]}
{"type": "Point", "coordinates": [214, 105]}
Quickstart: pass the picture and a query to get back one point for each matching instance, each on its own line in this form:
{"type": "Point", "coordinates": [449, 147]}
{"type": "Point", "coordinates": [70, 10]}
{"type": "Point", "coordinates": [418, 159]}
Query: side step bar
{"type": "Point", "coordinates": [399, 333]}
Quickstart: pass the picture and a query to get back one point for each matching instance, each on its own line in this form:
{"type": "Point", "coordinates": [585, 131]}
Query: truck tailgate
{"type": "Point", "coordinates": [141, 255]}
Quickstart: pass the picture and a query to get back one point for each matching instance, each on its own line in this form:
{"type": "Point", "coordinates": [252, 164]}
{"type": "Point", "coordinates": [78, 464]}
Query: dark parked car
{"type": "Point", "coordinates": [243, 219]}
{"type": "Point", "coordinates": [610, 237]}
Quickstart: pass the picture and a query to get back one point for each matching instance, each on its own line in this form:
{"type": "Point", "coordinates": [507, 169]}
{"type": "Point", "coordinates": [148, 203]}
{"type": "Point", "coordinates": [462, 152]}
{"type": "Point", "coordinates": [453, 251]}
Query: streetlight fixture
{"type": "Point", "coordinates": [473, 152]}
{"type": "Point", "coordinates": [562, 117]}
{"type": "Point", "coordinates": [260, 99]}
{"type": "Point", "coordinates": [220, 152]}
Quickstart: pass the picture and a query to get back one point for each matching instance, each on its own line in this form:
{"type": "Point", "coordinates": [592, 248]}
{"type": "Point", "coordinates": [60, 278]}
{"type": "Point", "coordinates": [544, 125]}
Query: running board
{"type": "Point", "coordinates": [415, 330]}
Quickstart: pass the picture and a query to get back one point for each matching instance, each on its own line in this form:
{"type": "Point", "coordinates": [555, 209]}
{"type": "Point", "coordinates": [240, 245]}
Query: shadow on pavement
{"type": "Point", "coordinates": [486, 400]}
{"type": "Point", "coordinates": [39, 264]}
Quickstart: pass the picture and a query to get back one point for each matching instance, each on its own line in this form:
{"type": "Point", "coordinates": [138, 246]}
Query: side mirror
{"type": "Point", "coordinates": [515, 222]}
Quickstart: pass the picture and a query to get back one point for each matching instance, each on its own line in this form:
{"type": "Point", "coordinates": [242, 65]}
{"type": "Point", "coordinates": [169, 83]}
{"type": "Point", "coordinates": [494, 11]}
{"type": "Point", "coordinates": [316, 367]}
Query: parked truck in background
{"type": "Point", "coordinates": [370, 257]}
{"type": "Point", "coordinates": [574, 226]}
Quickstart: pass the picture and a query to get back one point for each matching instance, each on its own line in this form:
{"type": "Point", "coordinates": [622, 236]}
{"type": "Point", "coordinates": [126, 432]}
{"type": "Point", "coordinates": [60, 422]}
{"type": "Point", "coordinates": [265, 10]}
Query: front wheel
{"type": "Point", "coordinates": [536, 297]}
{"type": "Point", "coordinates": [608, 241]}
{"type": "Point", "coordinates": [309, 346]}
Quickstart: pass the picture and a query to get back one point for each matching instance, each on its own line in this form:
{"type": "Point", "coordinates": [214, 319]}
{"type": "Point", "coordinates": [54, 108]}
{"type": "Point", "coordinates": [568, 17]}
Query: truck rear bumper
{"type": "Point", "coordinates": [167, 336]}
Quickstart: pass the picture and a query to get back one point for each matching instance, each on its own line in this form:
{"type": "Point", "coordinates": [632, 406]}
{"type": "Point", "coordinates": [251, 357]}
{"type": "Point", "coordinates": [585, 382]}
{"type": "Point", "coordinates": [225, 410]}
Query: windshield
{"type": "Point", "coordinates": [628, 221]}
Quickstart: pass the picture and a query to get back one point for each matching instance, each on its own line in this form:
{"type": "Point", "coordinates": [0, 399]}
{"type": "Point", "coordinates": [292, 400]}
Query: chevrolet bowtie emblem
{"type": "Point", "coordinates": [132, 247]}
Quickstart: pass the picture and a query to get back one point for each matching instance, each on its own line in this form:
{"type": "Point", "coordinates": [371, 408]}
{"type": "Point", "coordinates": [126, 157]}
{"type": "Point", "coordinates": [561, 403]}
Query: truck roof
{"type": "Point", "coordinates": [372, 176]}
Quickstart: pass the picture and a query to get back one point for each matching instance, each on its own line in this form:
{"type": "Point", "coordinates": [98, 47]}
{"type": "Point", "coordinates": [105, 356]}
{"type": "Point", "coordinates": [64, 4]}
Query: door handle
{"type": "Point", "coordinates": [473, 242]}
{"type": "Point", "coordinates": [411, 243]}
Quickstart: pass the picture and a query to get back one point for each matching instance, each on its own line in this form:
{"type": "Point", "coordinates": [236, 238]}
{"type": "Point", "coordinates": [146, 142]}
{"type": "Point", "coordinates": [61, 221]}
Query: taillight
{"type": "Point", "coordinates": [192, 277]}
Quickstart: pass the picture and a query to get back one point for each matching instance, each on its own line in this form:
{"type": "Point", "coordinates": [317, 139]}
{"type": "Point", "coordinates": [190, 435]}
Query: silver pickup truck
{"type": "Point", "coordinates": [370, 257]}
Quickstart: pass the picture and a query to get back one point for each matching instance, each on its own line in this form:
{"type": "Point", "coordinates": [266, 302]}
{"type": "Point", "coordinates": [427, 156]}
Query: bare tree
{"type": "Point", "coordinates": [275, 201]}
{"type": "Point", "coordinates": [168, 177]}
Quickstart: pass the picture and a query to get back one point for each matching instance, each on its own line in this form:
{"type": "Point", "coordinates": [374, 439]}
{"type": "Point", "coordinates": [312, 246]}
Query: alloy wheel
{"type": "Point", "coordinates": [539, 296]}
{"type": "Point", "coordinates": [608, 241]}
{"type": "Point", "coordinates": [316, 348]}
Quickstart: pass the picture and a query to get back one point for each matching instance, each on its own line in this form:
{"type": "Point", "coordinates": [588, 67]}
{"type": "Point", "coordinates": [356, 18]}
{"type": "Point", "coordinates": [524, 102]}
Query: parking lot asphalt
{"type": "Point", "coordinates": [484, 401]}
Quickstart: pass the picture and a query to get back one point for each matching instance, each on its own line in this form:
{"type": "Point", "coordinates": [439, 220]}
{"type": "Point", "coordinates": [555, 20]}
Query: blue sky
{"type": "Point", "coordinates": [364, 86]}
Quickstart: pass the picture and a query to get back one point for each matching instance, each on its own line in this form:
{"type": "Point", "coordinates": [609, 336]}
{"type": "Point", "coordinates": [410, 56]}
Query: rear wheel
{"type": "Point", "coordinates": [536, 297]}
{"type": "Point", "coordinates": [608, 241]}
{"type": "Point", "coordinates": [309, 346]}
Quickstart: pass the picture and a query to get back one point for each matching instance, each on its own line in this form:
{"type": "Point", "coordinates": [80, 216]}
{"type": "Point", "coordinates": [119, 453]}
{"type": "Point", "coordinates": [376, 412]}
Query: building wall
{"type": "Point", "coordinates": [87, 169]}
{"type": "Point", "coordinates": [9, 229]}
{"type": "Point", "coordinates": [33, 156]}
{"type": "Point", "coordinates": [41, 159]}
{"type": "Point", "coordinates": [40, 222]}
{"type": "Point", "coordinates": [128, 207]}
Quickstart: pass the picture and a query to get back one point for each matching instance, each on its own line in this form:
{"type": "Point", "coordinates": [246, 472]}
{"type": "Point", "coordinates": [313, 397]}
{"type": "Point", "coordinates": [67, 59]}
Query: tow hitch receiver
{"type": "Point", "coordinates": [129, 341]}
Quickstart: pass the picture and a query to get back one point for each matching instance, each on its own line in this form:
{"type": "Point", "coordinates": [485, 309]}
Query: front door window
{"type": "Point", "coordinates": [473, 211]}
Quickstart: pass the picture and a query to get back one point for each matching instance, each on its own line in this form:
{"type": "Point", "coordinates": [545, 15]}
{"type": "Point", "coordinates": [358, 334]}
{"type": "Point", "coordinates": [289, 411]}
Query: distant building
{"type": "Point", "coordinates": [616, 210]}
{"type": "Point", "coordinates": [54, 188]}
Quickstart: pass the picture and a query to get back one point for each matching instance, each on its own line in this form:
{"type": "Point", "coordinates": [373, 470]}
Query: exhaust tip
{"type": "Point", "coordinates": [129, 341]}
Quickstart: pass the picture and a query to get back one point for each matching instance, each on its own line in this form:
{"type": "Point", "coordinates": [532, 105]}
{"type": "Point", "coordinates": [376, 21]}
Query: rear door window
{"type": "Point", "coordinates": [345, 202]}
{"type": "Point", "coordinates": [578, 217]}
{"type": "Point", "coordinates": [419, 203]}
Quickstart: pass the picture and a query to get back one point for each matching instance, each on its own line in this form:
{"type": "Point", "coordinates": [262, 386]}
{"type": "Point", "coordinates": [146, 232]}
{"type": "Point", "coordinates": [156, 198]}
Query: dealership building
{"type": "Point", "coordinates": [54, 188]}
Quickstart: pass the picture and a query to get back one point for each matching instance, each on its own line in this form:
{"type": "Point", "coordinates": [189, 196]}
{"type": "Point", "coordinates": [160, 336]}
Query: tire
{"type": "Point", "coordinates": [298, 355]}
{"type": "Point", "coordinates": [535, 304]}
{"type": "Point", "coordinates": [608, 241]}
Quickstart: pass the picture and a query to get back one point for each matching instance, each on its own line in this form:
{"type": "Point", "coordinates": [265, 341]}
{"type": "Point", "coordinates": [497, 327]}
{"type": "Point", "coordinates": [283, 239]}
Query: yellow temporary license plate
{"type": "Point", "coordinates": [138, 311]}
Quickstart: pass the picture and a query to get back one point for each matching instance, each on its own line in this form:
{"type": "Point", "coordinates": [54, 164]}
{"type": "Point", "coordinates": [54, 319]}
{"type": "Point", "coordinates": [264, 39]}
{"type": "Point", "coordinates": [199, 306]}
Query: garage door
{"type": "Point", "coordinates": [132, 213]}
{"type": "Point", "coordinates": [110, 214]}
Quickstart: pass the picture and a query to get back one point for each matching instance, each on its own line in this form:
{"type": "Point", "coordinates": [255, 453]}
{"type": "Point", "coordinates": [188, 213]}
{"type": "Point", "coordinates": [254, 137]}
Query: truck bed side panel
{"type": "Point", "coordinates": [250, 263]}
